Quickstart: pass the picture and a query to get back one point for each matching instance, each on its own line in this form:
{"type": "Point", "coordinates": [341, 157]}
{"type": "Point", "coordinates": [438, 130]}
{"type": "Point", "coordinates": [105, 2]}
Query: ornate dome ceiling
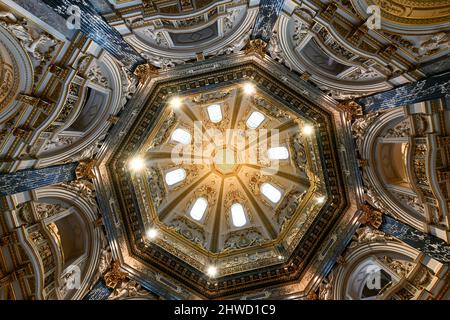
{"type": "Point", "coordinates": [221, 172]}
{"type": "Point", "coordinates": [265, 173]}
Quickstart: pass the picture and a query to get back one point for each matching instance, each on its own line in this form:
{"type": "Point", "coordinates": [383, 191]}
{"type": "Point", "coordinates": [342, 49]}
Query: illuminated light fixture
{"type": "Point", "coordinates": [272, 193]}
{"type": "Point", "coordinates": [238, 215]}
{"type": "Point", "coordinates": [212, 271]}
{"type": "Point", "coordinates": [280, 257]}
{"type": "Point", "coordinates": [175, 102]}
{"type": "Point", "coordinates": [181, 136]}
{"type": "Point", "coordinates": [320, 200]}
{"type": "Point", "coordinates": [175, 176]}
{"type": "Point", "coordinates": [308, 129]}
{"type": "Point", "coordinates": [278, 153]}
{"type": "Point", "coordinates": [215, 113]}
{"type": "Point", "coordinates": [199, 208]}
{"type": "Point", "coordinates": [249, 88]}
{"type": "Point", "coordinates": [152, 233]}
{"type": "Point", "coordinates": [255, 120]}
{"type": "Point", "coordinates": [136, 164]}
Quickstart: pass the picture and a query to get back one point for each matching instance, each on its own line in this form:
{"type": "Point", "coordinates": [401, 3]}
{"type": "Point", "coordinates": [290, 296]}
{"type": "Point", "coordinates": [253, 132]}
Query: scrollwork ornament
{"type": "Point", "coordinates": [145, 71]}
{"type": "Point", "coordinates": [85, 169]}
{"type": "Point", "coordinates": [257, 47]}
{"type": "Point", "coordinates": [371, 217]}
{"type": "Point", "coordinates": [114, 276]}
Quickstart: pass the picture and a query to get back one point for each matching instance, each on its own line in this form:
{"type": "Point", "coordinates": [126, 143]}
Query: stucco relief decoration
{"type": "Point", "coordinates": [360, 127]}
{"type": "Point", "coordinates": [189, 229]}
{"type": "Point", "coordinates": [115, 275]}
{"type": "Point", "coordinates": [34, 42]}
{"type": "Point", "coordinates": [365, 235]}
{"type": "Point", "coordinates": [8, 84]}
{"type": "Point", "coordinates": [46, 210]}
{"type": "Point", "coordinates": [165, 130]}
{"type": "Point", "coordinates": [157, 188]}
{"type": "Point", "coordinates": [84, 189]}
{"type": "Point", "coordinates": [288, 207]}
{"type": "Point", "coordinates": [243, 239]}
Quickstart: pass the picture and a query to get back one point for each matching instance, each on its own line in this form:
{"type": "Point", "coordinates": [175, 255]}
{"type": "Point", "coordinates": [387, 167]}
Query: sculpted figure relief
{"type": "Point", "coordinates": [31, 40]}
{"type": "Point", "coordinates": [360, 127]}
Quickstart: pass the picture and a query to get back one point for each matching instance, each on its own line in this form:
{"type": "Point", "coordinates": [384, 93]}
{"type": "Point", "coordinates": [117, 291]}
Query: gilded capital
{"type": "Point", "coordinates": [145, 71]}
{"type": "Point", "coordinates": [114, 276]}
{"type": "Point", "coordinates": [371, 217]}
{"type": "Point", "coordinates": [257, 46]}
{"type": "Point", "coordinates": [85, 169]}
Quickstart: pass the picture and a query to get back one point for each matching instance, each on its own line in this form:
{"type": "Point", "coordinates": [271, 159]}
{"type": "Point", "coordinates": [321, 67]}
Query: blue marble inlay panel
{"type": "Point", "coordinates": [99, 31]}
{"type": "Point", "coordinates": [99, 292]}
{"type": "Point", "coordinates": [431, 88]}
{"type": "Point", "coordinates": [428, 244]}
{"type": "Point", "coordinates": [269, 10]}
{"type": "Point", "coordinates": [26, 180]}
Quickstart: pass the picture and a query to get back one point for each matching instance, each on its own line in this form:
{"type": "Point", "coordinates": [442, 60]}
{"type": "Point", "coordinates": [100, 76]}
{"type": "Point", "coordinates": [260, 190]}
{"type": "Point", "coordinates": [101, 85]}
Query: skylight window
{"type": "Point", "coordinates": [199, 208]}
{"type": "Point", "coordinates": [181, 136]}
{"type": "Point", "coordinates": [215, 113]}
{"type": "Point", "coordinates": [272, 193]}
{"type": "Point", "coordinates": [238, 215]}
{"type": "Point", "coordinates": [278, 153]}
{"type": "Point", "coordinates": [175, 176]}
{"type": "Point", "coordinates": [255, 120]}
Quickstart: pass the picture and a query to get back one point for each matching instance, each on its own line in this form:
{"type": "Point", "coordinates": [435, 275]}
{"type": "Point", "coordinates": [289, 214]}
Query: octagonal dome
{"type": "Point", "coordinates": [228, 163]}
{"type": "Point", "coordinates": [242, 180]}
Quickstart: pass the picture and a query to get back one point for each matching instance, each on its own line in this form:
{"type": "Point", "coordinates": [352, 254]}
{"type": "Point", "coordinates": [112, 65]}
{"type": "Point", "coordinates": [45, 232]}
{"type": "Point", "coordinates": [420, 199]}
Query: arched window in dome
{"type": "Point", "coordinates": [272, 193]}
{"type": "Point", "coordinates": [278, 153]}
{"type": "Point", "coordinates": [215, 113]}
{"type": "Point", "coordinates": [199, 208]}
{"type": "Point", "coordinates": [255, 120]}
{"type": "Point", "coordinates": [175, 176]}
{"type": "Point", "coordinates": [182, 136]}
{"type": "Point", "coordinates": [238, 215]}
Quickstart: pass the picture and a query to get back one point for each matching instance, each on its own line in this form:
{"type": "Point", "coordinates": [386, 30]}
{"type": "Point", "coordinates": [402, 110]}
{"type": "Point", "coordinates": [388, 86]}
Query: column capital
{"type": "Point", "coordinates": [257, 46]}
{"type": "Point", "coordinates": [114, 276]}
{"type": "Point", "coordinates": [371, 217]}
{"type": "Point", "coordinates": [352, 108]}
{"type": "Point", "coordinates": [145, 71]}
{"type": "Point", "coordinates": [85, 169]}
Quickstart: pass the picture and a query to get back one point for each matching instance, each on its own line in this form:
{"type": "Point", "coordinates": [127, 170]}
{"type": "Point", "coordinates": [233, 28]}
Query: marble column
{"type": "Point", "coordinates": [98, 30]}
{"type": "Point", "coordinates": [269, 10]}
{"type": "Point", "coordinates": [431, 88]}
{"type": "Point", "coordinates": [26, 180]}
{"type": "Point", "coordinates": [426, 243]}
{"type": "Point", "coordinates": [99, 292]}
